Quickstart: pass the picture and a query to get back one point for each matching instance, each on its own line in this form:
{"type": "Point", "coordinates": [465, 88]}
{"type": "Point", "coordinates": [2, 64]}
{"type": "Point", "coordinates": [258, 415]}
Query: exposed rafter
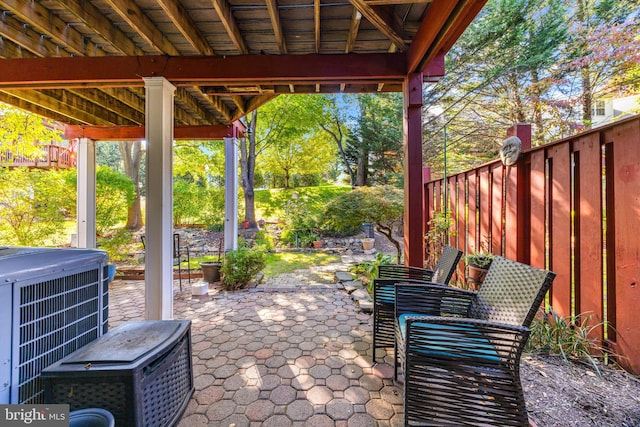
{"type": "Point", "coordinates": [356, 17]}
{"type": "Point", "coordinates": [229, 22]}
{"type": "Point", "coordinates": [135, 17]}
{"type": "Point", "coordinates": [184, 23]}
{"type": "Point", "coordinates": [316, 23]}
{"type": "Point", "coordinates": [274, 15]}
{"type": "Point", "coordinates": [384, 19]}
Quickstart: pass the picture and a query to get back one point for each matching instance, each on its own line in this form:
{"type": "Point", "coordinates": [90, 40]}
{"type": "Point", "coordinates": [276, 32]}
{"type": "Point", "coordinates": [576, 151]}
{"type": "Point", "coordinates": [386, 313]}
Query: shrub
{"type": "Point", "coordinates": [566, 336]}
{"type": "Point", "coordinates": [116, 244]}
{"type": "Point", "coordinates": [114, 194]}
{"type": "Point", "coordinates": [370, 269]}
{"type": "Point", "coordinates": [240, 266]}
{"type": "Point", "coordinates": [264, 241]}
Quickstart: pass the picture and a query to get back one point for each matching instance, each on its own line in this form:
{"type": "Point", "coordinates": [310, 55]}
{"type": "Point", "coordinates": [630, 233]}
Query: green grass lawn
{"type": "Point", "coordinates": [286, 262]}
{"type": "Point", "coordinates": [270, 203]}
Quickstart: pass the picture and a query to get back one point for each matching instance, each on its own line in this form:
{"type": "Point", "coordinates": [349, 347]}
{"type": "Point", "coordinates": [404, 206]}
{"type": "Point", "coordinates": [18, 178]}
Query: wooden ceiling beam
{"type": "Point", "coordinates": [46, 23]}
{"type": "Point", "coordinates": [181, 19]}
{"type": "Point", "coordinates": [137, 133]}
{"type": "Point", "coordinates": [125, 71]}
{"type": "Point", "coordinates": [131, 13]}
{"type": "Point", "coordinates": [239, 102]}
{"type": "Point", "coordinates": [256, 102]}
{"type": "Point", "coordinates": [384, 19]}
{"type": "Point", "coordinates": [229, 22]}
{"type": "Point", "coordinates": [109, 103]}
{"type": "Point", "coordinates": [274, 15]}
{"type": "Point", "coordinates": [195, 105]}
{"type": "Point", "coordinates": [354, 26]}
{"type": "Point", "coordinates": [71, 106]}
{"type": "Point", "coordinates": [316, 23]}
{"type": "Point", "coordinates": [8, 98]}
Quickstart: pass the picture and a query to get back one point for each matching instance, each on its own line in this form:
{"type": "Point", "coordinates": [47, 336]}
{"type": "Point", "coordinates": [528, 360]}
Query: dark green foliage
{"type": "Point", "coordinates": [114, 194]}
{"type": "Point", "coordinates": [240, 266]}
{"type": "Point", "coordinates": [369, 270]}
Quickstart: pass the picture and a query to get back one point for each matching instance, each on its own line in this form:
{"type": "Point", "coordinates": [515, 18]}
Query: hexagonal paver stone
{"type": "Point", "coordinates": [221, 410]}
{"type": "Point", "coordinates": [259, 410]}
{"type": "Point", "coordinates": [236, 420]}
{"type": "Point", "coordinates": [209, 395]}
{"type": "Point", "coordinates": [339, 409]}
{"type": "Point", "coordinates": [303, 382]}
{"type": "Point", "coordinates": [351, 371]}
{"type": "Point", "coordinates": [277, 421]}
{"type": "Point", "coordinates": [283, 395]}
{"type": "Point", "coordinates": [193, 420]}
{"type": "Point", "coordinates": [334, 362]}
{"type": "Point", "coordinates": [392, 394]}
{"type": "Point", "coordinates": [379, 409]}
{"type": "Point", "coordinates": [319, 395]}
{"type": "Point", "coordinates": [246, 396]}
{"type": "Point", "coordinates": [269, 382]}
{"type": "Point", "coordinates": [337, 383]}
{"type": "Point", "coordinates": [225, 371]}
{"type": "Point", "coordinates": [275, 362]}
{"type": "Point", "coordinates": [357, 395]}
{"type": "Point", "coordinates": [362, 420]}
{"type": "Point", "coordinates": [202, 381]}
{"type": "Point", "coordinates": [234, 383]}
{"type": "Point", "coordinates": [371, 382]}
{"type": "Point", "coordinates": [299, 410]}
{"type": "Point", "coordinates": [320, 371]}
{"type": "Point", "coordinates": [305, 362]}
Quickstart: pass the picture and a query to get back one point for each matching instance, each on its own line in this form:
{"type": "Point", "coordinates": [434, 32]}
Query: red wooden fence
{"type": "Point", "coordinates": [573, 207]}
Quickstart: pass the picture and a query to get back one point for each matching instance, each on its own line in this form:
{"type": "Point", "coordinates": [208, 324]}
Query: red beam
{"type": "Point", "coordinates": [435, 18]}
{"type": "Point", "coordinates": [124, 133]}
{"type": "Point", "coordinates": [129, 70]}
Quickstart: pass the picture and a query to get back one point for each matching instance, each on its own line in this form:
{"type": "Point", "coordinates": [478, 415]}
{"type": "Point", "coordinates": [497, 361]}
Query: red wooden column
{"type": "Point", "coordinates": [413, 185]}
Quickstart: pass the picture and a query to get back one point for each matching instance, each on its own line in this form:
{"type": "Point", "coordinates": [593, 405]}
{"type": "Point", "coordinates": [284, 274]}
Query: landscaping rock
{"type": "Point", "coordinates": [352, 285]}
{"type": "Point", "coordinates": [343, 276]}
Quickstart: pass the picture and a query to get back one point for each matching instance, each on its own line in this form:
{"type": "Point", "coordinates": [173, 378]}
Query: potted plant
{"type": "Point", "coordinates": [211, 270]}
{"type": "Point", "coordinates": [367, 243]}
{"type": "Point", "coordinates": [478, 265]}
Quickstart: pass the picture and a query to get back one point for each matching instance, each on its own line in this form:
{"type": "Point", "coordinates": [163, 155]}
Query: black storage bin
{"type": "Point", "coordinates": [141, 372]}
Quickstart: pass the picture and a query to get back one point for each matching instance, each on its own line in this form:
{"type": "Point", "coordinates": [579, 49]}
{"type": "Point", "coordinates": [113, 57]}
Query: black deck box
{"type": "Point", "coordinates": [141, 372]}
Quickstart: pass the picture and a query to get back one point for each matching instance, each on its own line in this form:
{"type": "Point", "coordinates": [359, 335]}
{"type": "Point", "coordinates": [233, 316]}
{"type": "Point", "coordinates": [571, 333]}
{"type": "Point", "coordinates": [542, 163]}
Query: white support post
{"type": "Point", "coordinates": [86, 194]}
{"type": "Point", "coordinates": [230, 194]}
{"type": "Point", "coordinates": [159, 107]}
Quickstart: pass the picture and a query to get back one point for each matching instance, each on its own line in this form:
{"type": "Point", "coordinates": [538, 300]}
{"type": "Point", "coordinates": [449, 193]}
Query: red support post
{"type": "Point", "coordinates": [413, 185]}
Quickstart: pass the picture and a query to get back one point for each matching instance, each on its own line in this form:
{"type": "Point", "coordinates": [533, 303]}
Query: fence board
{"type": "Point", "coordinates": [588, 241]}
{"type": "Point", "coordinates": [497, 184]}
{"type": "Point", "coordinates": [626, 212]}
{"type": "Point", "coordinates": [484, 210]}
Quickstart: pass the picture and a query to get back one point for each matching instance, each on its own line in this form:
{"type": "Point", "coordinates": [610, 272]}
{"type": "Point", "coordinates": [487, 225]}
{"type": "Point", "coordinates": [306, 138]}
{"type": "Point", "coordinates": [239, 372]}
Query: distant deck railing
{"type": "Point", "coordinates": [53, 156]}
{"type": "Point", "coordinates": [572, 206]}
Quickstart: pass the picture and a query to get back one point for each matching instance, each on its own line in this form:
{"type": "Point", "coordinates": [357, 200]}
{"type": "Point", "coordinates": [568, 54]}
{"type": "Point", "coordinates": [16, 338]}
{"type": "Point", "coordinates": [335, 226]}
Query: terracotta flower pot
{"type": "Point", "coordinates": [476, 275]}
{"type": "Point", "coordinates": [317, 243]}
{"type": "Point", "coordinates": [367, 244]}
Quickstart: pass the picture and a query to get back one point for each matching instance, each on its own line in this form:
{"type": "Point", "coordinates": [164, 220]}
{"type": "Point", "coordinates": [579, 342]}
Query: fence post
{"type": "Point", "coordinates": [517, 200]}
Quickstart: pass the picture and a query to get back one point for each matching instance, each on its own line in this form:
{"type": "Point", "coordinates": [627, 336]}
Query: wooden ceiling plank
{"type": "Point", "coordinates": [229, 22]}
{"type": "Point", "coordinates": [110, 103]}
{"type": "Point", "coordinates": [390, 2]}
{"type": "Point", "coordinates": [47, 99]}
{"type": "Point", "coordinates": [131, 13]}
{"type": "Point", "coordinates": [196, 105]}
{"type": "Point", "coordinates": [257, 69]}
{"type": "Point", "coordinates": [239, 102]}
{"type": "Point", "coordinates": [94, 19]}
{"type": "Point", "coordinates": [8, 98]}
{"type": "Point", "coordinates": [274, 15]}
{"type": "Point", "coordinates": [356, 17]}
{"type": "Point", "coordinates": [37, 16]}
{"type": "Point", "coordinates": [181, 19]}
{"type": "Point", "coordinates": [384, 19]}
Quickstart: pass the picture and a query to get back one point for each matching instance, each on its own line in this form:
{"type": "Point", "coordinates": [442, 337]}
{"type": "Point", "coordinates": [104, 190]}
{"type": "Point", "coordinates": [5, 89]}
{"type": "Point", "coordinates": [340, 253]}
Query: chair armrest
{"type": "Point", "coordinates": [433, 299]}
{"type": "Point", "coordinates": [463, 338]}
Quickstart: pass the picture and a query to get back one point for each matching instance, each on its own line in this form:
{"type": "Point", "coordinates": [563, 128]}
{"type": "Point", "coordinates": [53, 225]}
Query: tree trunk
{"type": "Point", "coordinates": [388, 233]}
{"type": "Point", "coordinates": [131, 156]}
{"type": "Point", "coordinates": [247, 170]}
{"type": "Point", "coordinates": [537, 109]}
{"type": "Point", "coordinates": [363, 167]}
{"type": "Point", "coordinates": [343, 155]}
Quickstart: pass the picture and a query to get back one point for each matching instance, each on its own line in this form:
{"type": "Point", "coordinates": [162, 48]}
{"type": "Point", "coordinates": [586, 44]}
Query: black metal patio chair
{"type": "Point", "coordinates": [383, 291]}
{"type": "Point", "coordinates": [180, 253]}
{"type": "Point", "coordinates": [460, 350]}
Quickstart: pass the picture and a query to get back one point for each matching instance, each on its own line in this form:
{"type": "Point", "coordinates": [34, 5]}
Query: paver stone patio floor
{"type": "Point", "coordinates": [293, 351]}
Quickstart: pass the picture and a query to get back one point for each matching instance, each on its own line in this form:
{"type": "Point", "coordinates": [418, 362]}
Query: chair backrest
{"type": "Point", "coordinates": [399, 271]}
{"type": "Point", "coordinates": [512, 292]}
{"type": "Point", "coordinates": [446, 265]}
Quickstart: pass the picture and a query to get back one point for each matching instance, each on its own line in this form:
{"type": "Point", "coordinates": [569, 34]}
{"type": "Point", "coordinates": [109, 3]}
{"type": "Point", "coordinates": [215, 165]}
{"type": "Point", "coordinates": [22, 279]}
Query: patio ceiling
{"type": "Point", "coordinates": [81, 62]}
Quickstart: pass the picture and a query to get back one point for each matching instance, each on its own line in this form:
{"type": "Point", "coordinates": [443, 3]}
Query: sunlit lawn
{"type": "Point", "coordinates": [286, 262]}
{"type": "Point", "coordinates": [270, 203]}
